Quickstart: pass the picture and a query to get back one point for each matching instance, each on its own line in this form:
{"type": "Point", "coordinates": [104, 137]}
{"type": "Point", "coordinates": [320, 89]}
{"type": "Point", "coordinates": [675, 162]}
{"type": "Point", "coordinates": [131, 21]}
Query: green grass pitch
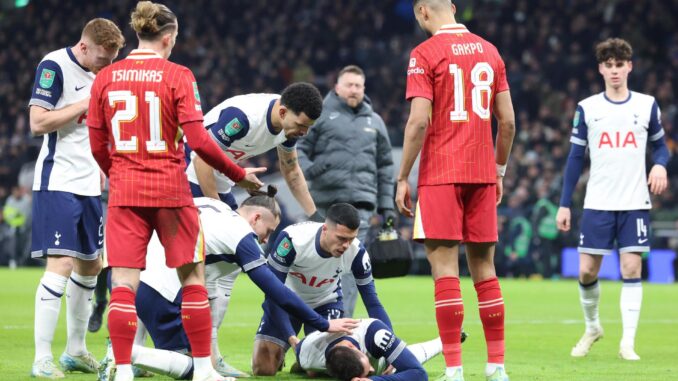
{"type": "Point", "coordinates": [543, 322]}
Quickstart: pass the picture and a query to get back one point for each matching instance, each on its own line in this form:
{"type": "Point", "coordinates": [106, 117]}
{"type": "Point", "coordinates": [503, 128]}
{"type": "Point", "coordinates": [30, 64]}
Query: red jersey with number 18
{"type": "Point", "coordinates": [142, 101]}
{"type": "Point", "coordinates": [460, 73]}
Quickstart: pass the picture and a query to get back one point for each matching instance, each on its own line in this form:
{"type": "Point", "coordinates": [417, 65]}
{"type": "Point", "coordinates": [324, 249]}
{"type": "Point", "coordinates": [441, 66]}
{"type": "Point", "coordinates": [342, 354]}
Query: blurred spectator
{"type": "Point", "coordinates": [518, 244]}
{"type": "Point", "coordinates": [546, 250]}
{"type": "Point", "coordinates": [17, 214]}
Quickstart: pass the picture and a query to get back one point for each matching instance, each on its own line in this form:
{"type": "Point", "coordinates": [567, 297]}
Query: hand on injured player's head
{"type": "Point", "coordinates": [251, 181]}
{"type": "Point", "coordinates": [293, 341]}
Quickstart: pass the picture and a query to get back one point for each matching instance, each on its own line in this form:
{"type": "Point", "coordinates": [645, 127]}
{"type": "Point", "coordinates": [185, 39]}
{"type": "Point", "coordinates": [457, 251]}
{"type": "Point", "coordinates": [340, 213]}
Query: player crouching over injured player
{"type": "Point", "coordinates": [231, 238]}
{"type": "Point", "coordinates": [372, 350]}
{"type": "Point", "coordinates": [310, 257]}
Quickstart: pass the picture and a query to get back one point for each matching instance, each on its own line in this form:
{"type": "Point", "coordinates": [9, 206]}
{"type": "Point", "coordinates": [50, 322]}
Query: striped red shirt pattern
{"type": "Point", "coordinates": [142, 101]}
{"type": "Point", "coordinates": [460, 73]}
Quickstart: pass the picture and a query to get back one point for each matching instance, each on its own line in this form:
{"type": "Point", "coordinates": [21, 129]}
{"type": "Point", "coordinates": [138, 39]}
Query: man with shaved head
{"type": "Point", "coordinates": [455, 82]}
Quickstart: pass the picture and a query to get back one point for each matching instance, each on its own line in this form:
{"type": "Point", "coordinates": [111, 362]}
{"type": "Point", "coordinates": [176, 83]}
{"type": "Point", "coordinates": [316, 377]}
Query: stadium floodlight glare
{"type": "Point", "coordinates": [21, 3]}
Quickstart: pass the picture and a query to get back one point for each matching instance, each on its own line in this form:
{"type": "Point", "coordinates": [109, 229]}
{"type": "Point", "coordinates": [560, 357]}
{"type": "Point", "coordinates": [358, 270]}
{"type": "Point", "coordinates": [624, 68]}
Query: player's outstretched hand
{"type": "Point", "coordinates": [563, 219]}
{"type": "Point", "coordinates": [293, 341]}
{"type": "Point", "coordinates": [657, 179]}
{"type": "Point", "coordinates": [403, 199]}
{"type": "Point", "coordinates": [344, 325]}
{"type": "Point", "coordinates": [251, 182]}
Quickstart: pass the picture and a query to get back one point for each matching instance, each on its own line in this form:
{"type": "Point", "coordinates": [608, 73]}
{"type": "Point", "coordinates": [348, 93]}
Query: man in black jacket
{"type": "Point", "coordinates": [346, 157]}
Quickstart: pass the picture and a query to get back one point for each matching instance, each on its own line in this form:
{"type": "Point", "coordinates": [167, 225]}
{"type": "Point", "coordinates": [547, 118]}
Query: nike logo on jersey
{"type": "Point", "coordinates": [642, 240]}
{"type": "Point", "coordinates": [79, 88]}
{"type": "Point", "coordinates": [597, 119]}
{"type": "Point", "coordinates": [100, 242]}
{"type": "Point", "coordinates": [334, 115]}
{"type": "Point", "coordinates": [44, 299]}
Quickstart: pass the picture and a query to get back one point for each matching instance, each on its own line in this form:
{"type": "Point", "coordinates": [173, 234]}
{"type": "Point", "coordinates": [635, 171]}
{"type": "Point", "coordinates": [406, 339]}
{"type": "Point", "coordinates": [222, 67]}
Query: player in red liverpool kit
{"type": "Point", "coordinates": [455, 82]}
{"type": "Point", "coordinates": [143, 105]}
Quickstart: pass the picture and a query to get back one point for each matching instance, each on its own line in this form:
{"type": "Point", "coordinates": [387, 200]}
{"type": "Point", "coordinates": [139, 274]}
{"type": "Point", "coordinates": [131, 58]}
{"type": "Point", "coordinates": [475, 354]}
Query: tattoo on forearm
{"type": "Point", "coordinates": [290, 162]}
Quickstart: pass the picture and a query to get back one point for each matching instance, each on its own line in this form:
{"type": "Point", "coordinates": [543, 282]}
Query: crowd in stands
{"type": "Point", "coordinates": [241, 46]}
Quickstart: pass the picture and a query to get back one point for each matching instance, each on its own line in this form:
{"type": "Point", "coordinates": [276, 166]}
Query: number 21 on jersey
{"type": "Point", "coordinates": [482, 77]}
{"type": "Point", "coordinates": [129, 113]}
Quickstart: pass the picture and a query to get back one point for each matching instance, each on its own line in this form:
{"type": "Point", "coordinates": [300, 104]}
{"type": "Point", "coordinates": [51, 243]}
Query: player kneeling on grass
{"type": "Point", "coordinates": [231, 241]}
{"type": "Point", "coordinates": [371, 352]}
{"type": "Point", "coordinates": [310, 258]}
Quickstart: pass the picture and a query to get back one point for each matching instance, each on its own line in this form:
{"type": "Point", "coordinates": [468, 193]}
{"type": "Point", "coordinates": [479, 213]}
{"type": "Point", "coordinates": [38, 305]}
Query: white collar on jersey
{"type": "Point", "coordinates": [140, 54]}
{"type": "Point", "coordinates": [452, 29]}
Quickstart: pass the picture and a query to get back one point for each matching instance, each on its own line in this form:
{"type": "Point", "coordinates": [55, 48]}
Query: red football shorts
{"type": "Point", "coordinates": [456, 212]}
{"type": "Point", "coordinates": [129, 228]}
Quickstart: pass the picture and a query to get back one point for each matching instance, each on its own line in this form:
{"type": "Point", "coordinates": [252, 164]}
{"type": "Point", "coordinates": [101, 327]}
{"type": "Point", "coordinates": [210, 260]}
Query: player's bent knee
{"type": "Point", "coordinates": [420, 375]}
{"type": "Point", "coordinates": [61, 265]}
{"type": "Point", "coordinates": [267, 358]}
{"type": "Point", "coordinates": [631, 270]}
{"type": "Point", "coordinates": [87, 268]}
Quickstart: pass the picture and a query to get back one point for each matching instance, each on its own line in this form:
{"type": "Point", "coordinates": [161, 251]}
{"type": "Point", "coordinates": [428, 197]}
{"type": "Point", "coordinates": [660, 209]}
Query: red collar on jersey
{"type": "Point", "coordinates": [452, 28]}
{"type": "Point", "coordinates": [140, 54]}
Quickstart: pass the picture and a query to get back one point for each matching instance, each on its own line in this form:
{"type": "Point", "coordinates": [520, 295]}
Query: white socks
{"type": "Point", "coordinates": [202, 366]}
{"type": "Point", "coordinates": [426, 350]}
{"type": "Point", "coordinates": [451, 370]}
{"type": "Point", "coordinates": [218, 306]}
{"type": "Point", "coordinates": [219, 298]}
{"type": "Point", "coordinates": [589, 296]}
{"type": "Point", "coordinates": [629, 303]}
{"type": "Point", "coordinates": [142, 333]}
{"type": "Point", "coordinates": [47, 307]}
{"type": "Point", "coordinates": [160, 361]}
{"type": "Point", "coordinates": [79, 293]}
{"type": "Point", "coordinates": [490, 368]}
{"type": "Point", "coordinates": [124, 372]}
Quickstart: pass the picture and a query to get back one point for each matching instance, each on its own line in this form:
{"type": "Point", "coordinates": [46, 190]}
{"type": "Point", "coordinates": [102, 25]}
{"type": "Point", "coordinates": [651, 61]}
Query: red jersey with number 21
{"type": "Point", "coordinates": [143, 100]}
{"type": "Point", "coordinates": [460, 73]}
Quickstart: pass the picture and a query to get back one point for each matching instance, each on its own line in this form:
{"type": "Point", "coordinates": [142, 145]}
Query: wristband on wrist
{"type": "Point", "coordinates": [501, 170]}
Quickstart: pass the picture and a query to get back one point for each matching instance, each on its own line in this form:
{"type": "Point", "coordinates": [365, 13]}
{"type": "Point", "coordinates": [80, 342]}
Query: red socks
{"type": "Point", "coordinates": [491, 308]}
{"type": "Point", "coordinates": [122, 324]}
{"type": "Point", "coordinates": [196, 318]}
{"type": "Point", "coordinates": [450, 316]}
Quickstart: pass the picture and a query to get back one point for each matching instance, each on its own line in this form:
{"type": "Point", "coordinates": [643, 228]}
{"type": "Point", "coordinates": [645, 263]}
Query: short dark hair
{"type": "Point", "coordinates": [614, 48]}
{"type": "Point", "coordinates": [344, 214]}
{"type": "Point", "coordinates": [416, 3]}
{"type": "Point", "coordinates": [343, 363]}
{"type": "Point", "coordinates": [264, 200]}
{"type": "Point", "coordinates": [303, 97]}
{"type": "Point", "coordinates": [355, 69]}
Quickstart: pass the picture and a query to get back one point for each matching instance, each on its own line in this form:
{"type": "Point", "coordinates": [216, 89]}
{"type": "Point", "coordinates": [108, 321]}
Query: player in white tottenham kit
{"type": "Point", "coordinates": [245, 126]}
{"type": "Point", "coordinates": [616, 125]}
{"type": "Point", "coordinates": [371, 350]}
{"type": "Point", "coordinates": [248, 125]}
{"type": "Point", "coordinates": [310, 258]}
{"type": "Point", "coordinates": [231, 244]}
{"type": "Point", "coordinates": [67, 216]}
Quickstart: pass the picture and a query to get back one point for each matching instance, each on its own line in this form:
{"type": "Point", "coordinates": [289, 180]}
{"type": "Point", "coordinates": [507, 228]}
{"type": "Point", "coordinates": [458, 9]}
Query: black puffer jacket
{"type": "Point", "coordinates": [346, 156]}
